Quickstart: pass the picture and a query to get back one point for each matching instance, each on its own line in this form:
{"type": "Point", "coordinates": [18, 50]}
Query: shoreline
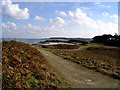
{"type": "Point", "coordinates": [54, 43]}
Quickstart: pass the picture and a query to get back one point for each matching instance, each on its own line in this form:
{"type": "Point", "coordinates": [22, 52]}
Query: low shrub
{"type": "Point", "coordinates": [24, 67]}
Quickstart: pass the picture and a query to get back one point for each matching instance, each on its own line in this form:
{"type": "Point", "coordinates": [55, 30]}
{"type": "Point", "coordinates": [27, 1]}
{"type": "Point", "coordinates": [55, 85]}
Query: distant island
{"type": "Point", "coordinates": [106, 39]}
{"type": "Point", "coordinates": [65, 38]}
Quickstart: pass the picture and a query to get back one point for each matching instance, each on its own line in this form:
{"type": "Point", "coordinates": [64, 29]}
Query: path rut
{"type": "Point", "coordinates": [77, 76]}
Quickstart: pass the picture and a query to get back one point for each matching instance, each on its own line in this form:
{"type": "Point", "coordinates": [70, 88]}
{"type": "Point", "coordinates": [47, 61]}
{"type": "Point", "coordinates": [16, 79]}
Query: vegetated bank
{"type": "Point", "coordinates": [102, 55]}
{"type": "Point", "coordinates": [24, 67]}
{"type": "Point", "coordinates": [60, 46]}
{"type": "Point", "coordinates": [103, 59]}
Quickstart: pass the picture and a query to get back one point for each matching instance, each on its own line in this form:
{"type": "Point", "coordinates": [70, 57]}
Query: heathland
{"type": "Point", "coordinates": [25, 67]}
{"type": "Point", "coordinates": [61, 63]}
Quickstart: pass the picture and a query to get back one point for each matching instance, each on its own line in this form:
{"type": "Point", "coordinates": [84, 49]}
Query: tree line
{"type": "Point", "coordinates": [107, 39]}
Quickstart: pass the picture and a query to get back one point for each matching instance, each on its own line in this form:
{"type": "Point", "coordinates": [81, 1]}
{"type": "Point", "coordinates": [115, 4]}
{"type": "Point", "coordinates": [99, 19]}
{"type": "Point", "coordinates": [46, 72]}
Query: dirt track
{"type": "Point", "coordinates": [77, 76]}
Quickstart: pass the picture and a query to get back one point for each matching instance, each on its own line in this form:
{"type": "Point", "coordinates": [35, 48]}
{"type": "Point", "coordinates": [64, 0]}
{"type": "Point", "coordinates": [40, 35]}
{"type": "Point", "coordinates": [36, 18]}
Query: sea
{"type": "Point", "coordinates": [34, 41]}
{"type": "Point", "coordinates": [26, 40]}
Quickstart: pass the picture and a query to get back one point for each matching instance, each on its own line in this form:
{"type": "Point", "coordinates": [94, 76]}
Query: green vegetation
{"type": "Point", "coordinates": [71, 41]}
{"type": "Point", "coordinates": [60, 46]}
{"type": "Point", "coordinates": [81, 42]}
{"type": "Point", "coordinates": [108, 40]}
{"type": "Point", "coordinates": [25, 67]}
{"type": "Point", "coordinates": [100, 58]}
{"type": "Point", "coordinates": [55, 41]}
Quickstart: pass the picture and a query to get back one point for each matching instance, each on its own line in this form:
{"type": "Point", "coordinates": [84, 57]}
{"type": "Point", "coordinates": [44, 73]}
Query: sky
{"type": "Point", "coordinates": [58, 19]}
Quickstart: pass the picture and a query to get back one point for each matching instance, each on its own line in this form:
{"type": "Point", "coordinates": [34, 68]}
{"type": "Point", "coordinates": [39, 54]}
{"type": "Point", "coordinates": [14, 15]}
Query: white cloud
{"type": "Point", "coordinates": [31, 28]}
{"type": "Point", "coordinates": [104, 6]}
{"type": "Point", "coordinates": [101, 5]}
{"type": "Point", "coordinates": [9, 26]}
{"type": "Point", "coordinates": [81, 18]}
{"type": "Point", "coordinates": [62, 13]}
{"type": "Point", "coordinates": [78, 25]}
{"type": "Point", "coordinates": [105, 14]}
{"type": "Point", "coordinates": [85, 8]}
{"type": "Point", "coordinates": [30, 31]}
{"type": "Point", "coordinates": [88, 25]}
{"type": "Point", "coordinates": [97, 3]}
{"type": "Point", "coordinates": [58, 21]}
{"type": "Point", "coordinates": [70, 13]}
{"type": "Point", "coordinates": [13, 10]}
{"type": "Point", "coordinates": [115, 17]}
{"type": "Point", "coordinates": [90, 14]}
{"type": "Point", "coordinates": [39, 18]}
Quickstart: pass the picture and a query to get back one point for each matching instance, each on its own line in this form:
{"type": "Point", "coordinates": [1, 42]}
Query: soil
{"type": "Point", "coordinates": [77, 76]}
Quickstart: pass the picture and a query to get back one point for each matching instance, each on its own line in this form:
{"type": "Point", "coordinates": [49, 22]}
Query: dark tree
{"type": "Point", "coordinates": [108, 39]}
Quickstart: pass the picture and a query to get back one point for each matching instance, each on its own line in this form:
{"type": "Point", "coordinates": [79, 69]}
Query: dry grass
{"type": "Point", "coordinates": [101, 59]}
{"type": "Point", "coordinates": [25, 67]}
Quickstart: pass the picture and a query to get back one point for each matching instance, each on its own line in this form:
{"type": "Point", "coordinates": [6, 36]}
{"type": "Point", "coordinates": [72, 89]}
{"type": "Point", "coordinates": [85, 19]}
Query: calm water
{"type": "Point", "coordinates": [33, 41]}
{"type": "Point", "coordinates": [30, 41]}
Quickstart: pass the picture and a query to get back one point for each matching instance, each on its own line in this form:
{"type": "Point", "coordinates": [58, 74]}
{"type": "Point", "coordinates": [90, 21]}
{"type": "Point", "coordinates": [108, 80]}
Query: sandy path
{"type": "Point", "coordinates": [77, 76]}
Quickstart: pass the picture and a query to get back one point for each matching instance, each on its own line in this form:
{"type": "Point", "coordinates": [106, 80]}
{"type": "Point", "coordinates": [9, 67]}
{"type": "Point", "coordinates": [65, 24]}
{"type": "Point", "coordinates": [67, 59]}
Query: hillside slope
{"type": "Point", "coordinates": [25, 67]}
